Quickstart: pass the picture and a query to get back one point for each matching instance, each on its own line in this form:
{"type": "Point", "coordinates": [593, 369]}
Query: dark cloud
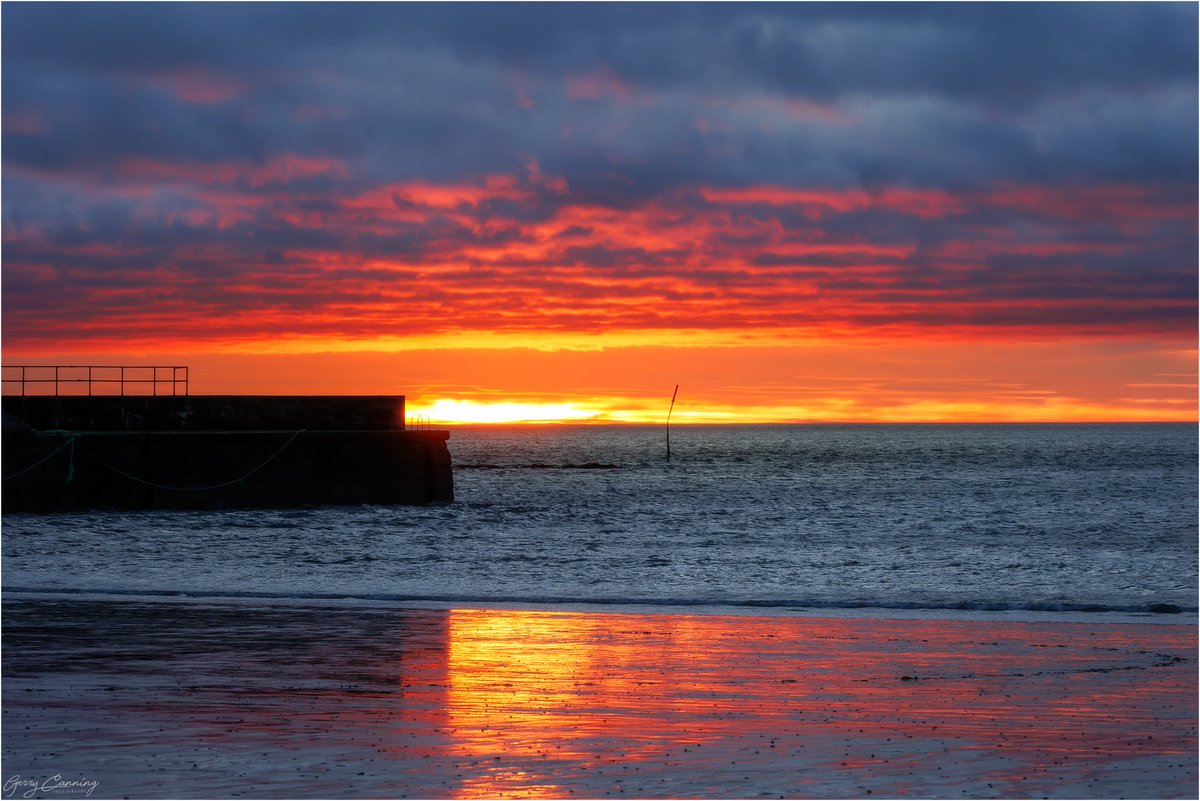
{"type": "Point", "coordinates": [413, 88]}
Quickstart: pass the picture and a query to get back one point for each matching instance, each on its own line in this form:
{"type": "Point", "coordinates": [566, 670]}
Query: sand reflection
{"type": "Point", "coordinates": [191, 700]}
{"type": "Point", "coordinates": [549, 704]}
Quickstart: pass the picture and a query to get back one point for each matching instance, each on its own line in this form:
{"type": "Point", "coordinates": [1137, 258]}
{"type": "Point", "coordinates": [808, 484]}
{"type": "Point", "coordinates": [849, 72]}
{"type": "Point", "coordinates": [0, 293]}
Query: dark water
{"type": "Point", "coordinates": [1091, 519]}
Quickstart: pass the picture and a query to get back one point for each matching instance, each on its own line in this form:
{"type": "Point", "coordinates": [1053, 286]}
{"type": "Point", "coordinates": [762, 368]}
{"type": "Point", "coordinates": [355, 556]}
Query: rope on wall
{"type": "Point", "coordinates": [70, 443]}
{"type": "Point", "coordinates": [196, 489]}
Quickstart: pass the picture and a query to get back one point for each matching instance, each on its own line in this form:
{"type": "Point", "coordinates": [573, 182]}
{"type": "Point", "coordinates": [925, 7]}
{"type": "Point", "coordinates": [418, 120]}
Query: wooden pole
{"type": "Point", "coordinates": [673, 394]}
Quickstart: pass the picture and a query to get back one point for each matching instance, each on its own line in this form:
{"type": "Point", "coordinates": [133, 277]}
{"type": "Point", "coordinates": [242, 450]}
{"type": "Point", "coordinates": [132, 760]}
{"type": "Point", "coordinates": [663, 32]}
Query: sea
{"type": "Point", "coordinates": [1093, 522]}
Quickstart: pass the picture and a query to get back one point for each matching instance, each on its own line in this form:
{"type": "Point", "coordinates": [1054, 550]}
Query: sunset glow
{"type": "Point", "coordinates": [445, 410]}
{"type": "Point", "coordinates": [863, 239]}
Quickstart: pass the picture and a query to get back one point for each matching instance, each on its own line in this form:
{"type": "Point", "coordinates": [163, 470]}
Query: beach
{"type": "Point", "coordinates": [187, 699]}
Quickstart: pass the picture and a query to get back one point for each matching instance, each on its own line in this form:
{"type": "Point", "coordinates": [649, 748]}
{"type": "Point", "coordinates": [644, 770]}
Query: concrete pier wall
{"type": "Point", "coordinates": [327, 452]}
{"type": "Point", "coordinates": [208, 412]}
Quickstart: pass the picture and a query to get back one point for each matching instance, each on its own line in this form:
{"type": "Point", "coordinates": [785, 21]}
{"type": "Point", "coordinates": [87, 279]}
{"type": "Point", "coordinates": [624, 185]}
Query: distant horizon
{"type": "Point", "coordinates": [418, 415]}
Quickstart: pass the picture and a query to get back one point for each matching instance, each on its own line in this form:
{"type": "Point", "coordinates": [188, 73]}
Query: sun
{"type": "Point", "coordinates": [445, 410]}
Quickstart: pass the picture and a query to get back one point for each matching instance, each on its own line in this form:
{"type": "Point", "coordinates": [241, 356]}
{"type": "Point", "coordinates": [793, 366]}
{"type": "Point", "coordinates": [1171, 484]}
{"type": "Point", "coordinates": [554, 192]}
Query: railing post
{"type": "Point", "coordinates": [180, 374]}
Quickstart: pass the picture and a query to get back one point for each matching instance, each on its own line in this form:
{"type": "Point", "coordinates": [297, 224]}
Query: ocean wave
{"type": "Point", "coordinates": [537, 466]}
{"type": "Point", "coordinates": [981, 605]}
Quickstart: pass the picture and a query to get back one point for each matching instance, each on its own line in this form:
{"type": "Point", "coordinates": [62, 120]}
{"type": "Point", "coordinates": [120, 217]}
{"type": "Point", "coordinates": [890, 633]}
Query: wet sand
{"type": "Point", "coordinates": [187, 700]}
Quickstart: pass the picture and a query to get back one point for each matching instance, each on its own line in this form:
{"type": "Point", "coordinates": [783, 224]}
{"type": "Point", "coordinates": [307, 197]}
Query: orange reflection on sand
{"type": "Point", "coordinates": [544, 704]}
{"type": "Point", "coordinates": [534, 688]}
{"type": "Point", "coordinates": [360, 703]}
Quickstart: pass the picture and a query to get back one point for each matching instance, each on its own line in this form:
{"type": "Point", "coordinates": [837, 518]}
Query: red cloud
{"type": "Point", "coordinates": [915, 202]}
{"type": "Point", "coordinates": [596, 84]}
{"type": "Point", "coordinates": [279, 170]}
{"type": "Point", "coordinates": [1112, 202]}
{"type": "Point", "coordinates": [27, 121]}
{"type": "Point", "coordinates": [796, 108]}
{"type": "Point", "coordinates": [519, 252]}
{"type": "Point", "coordinates": [199, 87]}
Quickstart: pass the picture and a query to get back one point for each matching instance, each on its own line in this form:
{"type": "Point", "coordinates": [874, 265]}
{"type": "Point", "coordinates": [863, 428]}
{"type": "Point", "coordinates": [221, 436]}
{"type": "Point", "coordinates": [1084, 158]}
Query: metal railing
{"type": "Point", "coordinates": [95, 376]}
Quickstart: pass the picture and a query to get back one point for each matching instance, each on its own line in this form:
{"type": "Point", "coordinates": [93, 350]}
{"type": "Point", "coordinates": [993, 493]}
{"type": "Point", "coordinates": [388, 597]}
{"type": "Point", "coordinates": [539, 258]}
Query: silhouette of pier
{"type": "Point", "coordinates": [180, 451]}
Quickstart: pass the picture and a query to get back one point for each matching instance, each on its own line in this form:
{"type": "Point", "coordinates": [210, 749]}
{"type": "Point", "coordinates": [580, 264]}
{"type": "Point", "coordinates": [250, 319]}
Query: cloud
{"type": "Point", "coordinates": [359, 171]}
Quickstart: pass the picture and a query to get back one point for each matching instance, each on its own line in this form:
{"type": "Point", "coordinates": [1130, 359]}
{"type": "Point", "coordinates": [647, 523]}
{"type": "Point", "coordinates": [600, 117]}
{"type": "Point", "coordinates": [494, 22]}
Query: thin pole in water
{"type": "Point", "coordinates": [673, 394]}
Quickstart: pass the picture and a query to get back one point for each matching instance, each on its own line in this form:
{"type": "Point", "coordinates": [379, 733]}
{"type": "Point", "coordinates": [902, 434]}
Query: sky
{"type": "Point", "coordinates": [796, 212]}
